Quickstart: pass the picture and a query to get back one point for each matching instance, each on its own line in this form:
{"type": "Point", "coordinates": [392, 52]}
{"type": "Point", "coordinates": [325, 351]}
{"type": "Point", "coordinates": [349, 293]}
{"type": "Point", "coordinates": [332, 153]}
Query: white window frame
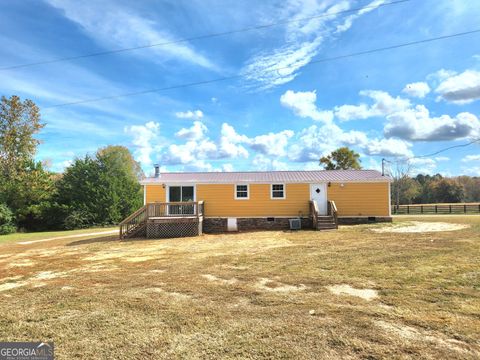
{"type": "Point", "coordinates": [235, 192]}
{"type": "Point", "coordinates": [284, 191]}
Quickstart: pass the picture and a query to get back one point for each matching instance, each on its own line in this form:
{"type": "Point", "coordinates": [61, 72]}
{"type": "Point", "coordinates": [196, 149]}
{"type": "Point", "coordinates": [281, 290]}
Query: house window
{"type": "Point", "coordinates": [181, 193]}
{"type": "Point", "coordinates": [241, 192]}
{"type": "Point", "coordinates": [278, 191]}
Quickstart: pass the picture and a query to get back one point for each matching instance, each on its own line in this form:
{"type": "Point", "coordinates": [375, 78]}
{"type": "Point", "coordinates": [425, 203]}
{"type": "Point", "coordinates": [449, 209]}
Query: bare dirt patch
{"type": "Point", "coordinates": [218, 280]}
{"type": "Point", "coordinates": [411, 333]}
{"type": "Point", "coordinates": [21, 263]}
{"type": "Point", "coordinates": [12, 285]}
{"type": "Point", "coordinates": [140, 258]}
{"type": "Point", "coordinates": [266, 284]}
{"type": "Point", "coordinates": [48, 275]}
{"type": "Point", "coordinates": [344, 289]}
{"type": "Point", "coordinates": [173, 294]}
{"type": "Point", "coordinates": [421, 227]}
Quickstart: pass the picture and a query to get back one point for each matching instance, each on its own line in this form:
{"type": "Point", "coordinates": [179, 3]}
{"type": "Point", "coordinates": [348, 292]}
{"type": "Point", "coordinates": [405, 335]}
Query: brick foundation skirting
{"type": "Point", "coordinates": [354, 220]}
{"type": "Point", "coordinates": [219, 225]}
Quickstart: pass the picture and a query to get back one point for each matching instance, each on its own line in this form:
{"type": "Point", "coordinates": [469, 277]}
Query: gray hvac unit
{"type": "Point", "coordinates": [295, 224]}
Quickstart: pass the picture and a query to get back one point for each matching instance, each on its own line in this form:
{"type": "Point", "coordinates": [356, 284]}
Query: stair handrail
{"type": "Point", "coordinates": [314, 213]}
{"type": "Point", "coordinates": [124, 225]}
{"type": "Point", "coordinates": [332, 211]}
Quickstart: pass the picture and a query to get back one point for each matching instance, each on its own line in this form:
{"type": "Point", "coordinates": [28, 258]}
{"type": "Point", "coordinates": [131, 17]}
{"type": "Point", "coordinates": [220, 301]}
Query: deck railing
{"type": "Point", "coordinates": [139, 218]}
{"type": "Point", "coordinates": [175, 209]}
{"type": "Point", "coordinates": [332, 211]}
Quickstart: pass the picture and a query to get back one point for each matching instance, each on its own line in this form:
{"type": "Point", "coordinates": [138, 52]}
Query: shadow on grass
{"type": "Point", "coordinates": [101, 239]}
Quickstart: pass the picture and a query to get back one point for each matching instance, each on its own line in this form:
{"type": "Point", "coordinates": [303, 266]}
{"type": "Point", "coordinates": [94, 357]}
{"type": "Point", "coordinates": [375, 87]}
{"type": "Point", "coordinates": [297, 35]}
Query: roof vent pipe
{"type": "Point", "coordinates": [157, 170]}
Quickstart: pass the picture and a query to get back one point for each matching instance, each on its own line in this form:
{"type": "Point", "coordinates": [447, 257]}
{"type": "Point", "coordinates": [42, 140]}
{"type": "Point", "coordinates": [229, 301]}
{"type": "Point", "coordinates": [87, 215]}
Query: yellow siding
{"type": "Point", "coordinates": [220, 201]}
{"type": "Point", "coordinates": [353, 199]}
{"type": "Point", "coordinates": [360, 199]}
{"type": "Point", "coordinates": [155, 193]}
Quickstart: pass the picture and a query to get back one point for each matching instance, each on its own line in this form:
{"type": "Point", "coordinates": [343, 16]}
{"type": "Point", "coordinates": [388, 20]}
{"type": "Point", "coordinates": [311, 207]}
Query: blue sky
{"type": "Point", "coordinates": [393, 104]}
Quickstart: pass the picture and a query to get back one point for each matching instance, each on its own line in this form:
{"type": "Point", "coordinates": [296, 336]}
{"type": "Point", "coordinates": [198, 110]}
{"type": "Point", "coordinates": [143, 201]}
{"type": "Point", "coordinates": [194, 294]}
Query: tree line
{"type": "Point", "coordinates": [96, 190]}
{"type": "Point", "coordinates": [406, 190]}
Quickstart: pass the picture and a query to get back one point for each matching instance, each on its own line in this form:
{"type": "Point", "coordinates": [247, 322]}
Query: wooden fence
{"type": "Point", "coordinates": [468, 208]}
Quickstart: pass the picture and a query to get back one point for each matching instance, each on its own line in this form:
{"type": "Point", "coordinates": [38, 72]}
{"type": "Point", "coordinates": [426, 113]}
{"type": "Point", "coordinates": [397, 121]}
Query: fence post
{"type": "Point", "coordinates": [421, 209]}
{"type": "Point", "coordinates": [408, 209]}
{"type": "Point", "coordinates": [450, 206]}
{"type": "Point", "coordinates": [464, 209]}
{"type": "Point", "coordinates": [436, 209]}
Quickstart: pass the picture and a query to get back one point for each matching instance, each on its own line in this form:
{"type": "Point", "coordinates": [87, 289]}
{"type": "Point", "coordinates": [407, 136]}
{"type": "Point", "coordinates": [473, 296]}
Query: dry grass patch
{"type": "Point", "coordinates": [421, 227]}
{"type": "Point", "coordinates": [344, 289]}
{"type": "Point", "coordinates": [250, 295]}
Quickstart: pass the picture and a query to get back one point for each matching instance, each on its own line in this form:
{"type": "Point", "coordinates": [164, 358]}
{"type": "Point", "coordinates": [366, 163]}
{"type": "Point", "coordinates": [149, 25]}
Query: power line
{"type": "Point", "coordinates": [407, 159]}
{"type": "Point", "coordinates": [200, 37]}
{"type": "Point", "coordinates": [318, 61]}
{"type": "Point", "coordinates": [445, 149]}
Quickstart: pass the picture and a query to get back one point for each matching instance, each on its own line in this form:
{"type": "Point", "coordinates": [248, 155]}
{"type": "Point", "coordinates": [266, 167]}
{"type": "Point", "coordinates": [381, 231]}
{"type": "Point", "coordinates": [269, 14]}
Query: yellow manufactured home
{"type": "Point", "coordinates": [223, 201]}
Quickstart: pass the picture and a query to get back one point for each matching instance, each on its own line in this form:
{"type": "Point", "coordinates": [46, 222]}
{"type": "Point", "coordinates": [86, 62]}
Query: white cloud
{"type": "Point", "coordinates": [472, 170]}
{"type": "Point", "coordinates": [440, 75]}
{"type": "Point", "coordinates": [195, 114]}
{"type": "Point", "coordinates": [227, 167]}
{"type": "Point", "coordinates": [388, 147]}
{"type": "Point", "coordinates": [110, 24]}
{"type": "Point", "coordinates": [416, 124]}
{"type": "Point", "coordinates": [315, 141]}
{"type": "Point", "coordinates": [304, 39]}
{"type": "Point", "coordinates": [189, 152]}
{"type": "Point", "coordinates": [423, 165]}
{"type": "Point", "coordinates": [199, 165]}
{"type": "Point", "coordinates": [230, 142]}
{"type": "Point", "coordinates": [198, 146]}
{"type": "Point", "coordinates": [417, 89]}
{"type": "Point", "coordinates": [442, 158]}
{"type": "Point", "coordinates": [263, 163]}
{"type": "Point", "coordinates": [383, 104]}
{"type": "Point", "coordinates": [144, 137]}
{"type": "Point", "coordinates": [272, 143]}
{"type": "Point", "coordinates": [195, 132]}
{"type": "Point", "coordinates": [469, 158]}
{"type": "Point", "coordinates": [303, 104]}
{"type": "Point", "coordinates": [460, 89]}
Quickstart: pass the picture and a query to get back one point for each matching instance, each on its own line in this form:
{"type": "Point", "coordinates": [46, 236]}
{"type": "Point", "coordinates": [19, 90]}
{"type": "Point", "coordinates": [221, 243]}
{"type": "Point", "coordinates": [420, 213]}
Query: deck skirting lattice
{"type": "Point", "coordinates": [173, 228]}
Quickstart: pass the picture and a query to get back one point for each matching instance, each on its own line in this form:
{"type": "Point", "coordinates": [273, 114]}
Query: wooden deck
{"type": "Point", "coordinates": [164, 220]}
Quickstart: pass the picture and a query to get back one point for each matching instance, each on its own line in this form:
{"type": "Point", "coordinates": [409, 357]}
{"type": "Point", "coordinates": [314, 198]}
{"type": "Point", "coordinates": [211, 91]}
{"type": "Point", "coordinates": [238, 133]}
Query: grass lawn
{"type": "Point", "coordinates": [31, 236]}
{"type": "Point", "coordinates": [352, 293]}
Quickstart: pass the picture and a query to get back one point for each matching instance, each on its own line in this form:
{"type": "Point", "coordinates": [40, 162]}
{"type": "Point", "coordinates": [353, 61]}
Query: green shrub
{"type": "Point", "coordinates": [77, 219]}
{"type": "Point", "coordinates": [7, 220]}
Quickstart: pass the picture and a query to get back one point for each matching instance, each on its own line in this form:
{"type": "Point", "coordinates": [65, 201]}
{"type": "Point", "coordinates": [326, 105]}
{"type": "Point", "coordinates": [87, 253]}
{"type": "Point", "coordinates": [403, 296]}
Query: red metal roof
{"type": "Point", "coordinates": [270, 177]}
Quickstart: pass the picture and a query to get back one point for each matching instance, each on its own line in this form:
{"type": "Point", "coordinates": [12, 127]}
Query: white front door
{"type": "Point", "coordinates": [318, 193]}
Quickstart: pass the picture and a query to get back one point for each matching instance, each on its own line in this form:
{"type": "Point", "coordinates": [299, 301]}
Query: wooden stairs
{"type": "Point", "coordinates": [324, 222]}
